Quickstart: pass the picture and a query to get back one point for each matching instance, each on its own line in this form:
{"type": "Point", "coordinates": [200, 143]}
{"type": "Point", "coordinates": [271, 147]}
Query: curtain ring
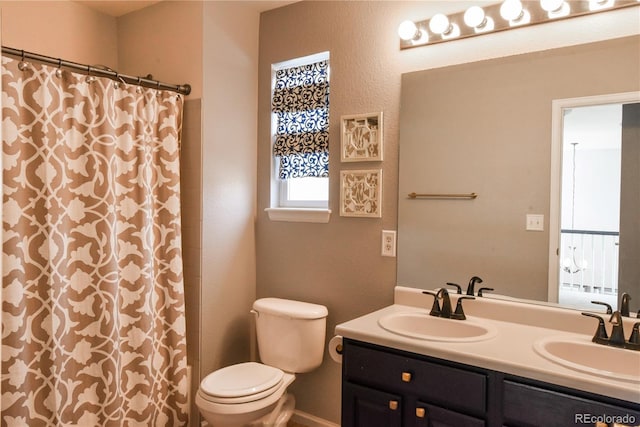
{"type": "Point", "coordinates": [22, 65]}
{"type": "Point", "coordinates": [59, 69]}
{"type": "Point", "coordinates": [139, 88]}
{"type": "Point", "coordinates": [90, 78]}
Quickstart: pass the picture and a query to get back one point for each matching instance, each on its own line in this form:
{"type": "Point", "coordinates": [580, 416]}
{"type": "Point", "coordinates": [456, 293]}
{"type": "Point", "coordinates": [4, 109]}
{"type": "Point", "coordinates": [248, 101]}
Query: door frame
{"type": "Point", "coordinates": [555, 197]}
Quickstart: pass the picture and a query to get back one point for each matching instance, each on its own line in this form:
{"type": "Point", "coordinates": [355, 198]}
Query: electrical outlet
{"type": "Point", "coordinates": [389, 243]}
{"type": "Point", "coordinates": [535, 222]}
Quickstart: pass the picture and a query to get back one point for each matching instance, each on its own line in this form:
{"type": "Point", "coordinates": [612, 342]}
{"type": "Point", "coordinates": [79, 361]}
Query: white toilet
{"type": "Point", "coordinates": [290, 340]}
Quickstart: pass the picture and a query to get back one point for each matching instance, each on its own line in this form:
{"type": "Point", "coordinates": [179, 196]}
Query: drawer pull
{"type": "Point", "coordinates": [393, 405]}
{"type": "Point", "coordinates": [420, 412]}
{"type": "Point", "coordinates": [406, 377]}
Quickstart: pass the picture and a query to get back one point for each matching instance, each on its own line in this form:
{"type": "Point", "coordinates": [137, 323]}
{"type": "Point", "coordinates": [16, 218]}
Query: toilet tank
{"type": "Point", "coordinates": [290, 333]}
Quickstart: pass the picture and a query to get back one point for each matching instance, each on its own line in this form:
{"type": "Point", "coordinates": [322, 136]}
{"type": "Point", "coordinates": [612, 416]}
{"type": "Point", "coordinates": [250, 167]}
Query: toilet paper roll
{"type": "Point", "coordinates": [335, 348]}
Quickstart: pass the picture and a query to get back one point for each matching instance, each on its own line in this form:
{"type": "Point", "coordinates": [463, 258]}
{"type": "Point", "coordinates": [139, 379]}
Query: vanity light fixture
{"type": "Point", "coordinates": [506, 15]}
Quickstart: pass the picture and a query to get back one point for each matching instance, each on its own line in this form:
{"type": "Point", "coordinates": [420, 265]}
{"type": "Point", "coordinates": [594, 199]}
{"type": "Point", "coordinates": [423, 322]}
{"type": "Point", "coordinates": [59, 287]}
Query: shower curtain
{"type": "Point", "coordinates": [93, 323]}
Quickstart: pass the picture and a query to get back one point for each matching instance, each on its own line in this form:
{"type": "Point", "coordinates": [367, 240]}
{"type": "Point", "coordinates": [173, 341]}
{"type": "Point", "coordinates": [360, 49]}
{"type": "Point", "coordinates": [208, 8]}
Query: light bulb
{"type": "Point", "coordinates": [474, 16]}
{"type": "Point", "coordinates": [408, 30]}
{"type": "Point", "coordinates": [511, 9]}
{"type": "Point", "coordinates": [439, 24]}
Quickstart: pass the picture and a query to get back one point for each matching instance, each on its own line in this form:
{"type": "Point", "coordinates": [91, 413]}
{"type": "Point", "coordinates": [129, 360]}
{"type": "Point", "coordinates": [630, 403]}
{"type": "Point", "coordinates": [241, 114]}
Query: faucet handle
{"type": "Point", "coordinates": [601, 336]}
{"type": "Point", "coordinates": [484, 289]}
{"type": "Point", "coordinates": [435, 308]}
{"type": "Point", "coordinates": [609, 309]}
{"type": "Point", "coordinates": [459, 313]}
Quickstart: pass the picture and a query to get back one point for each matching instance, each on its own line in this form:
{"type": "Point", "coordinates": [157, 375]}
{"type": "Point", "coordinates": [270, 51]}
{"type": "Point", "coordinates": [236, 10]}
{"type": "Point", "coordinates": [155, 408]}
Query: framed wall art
{"type": "Point", "coordinates": [361, 137]}
{"type": "Point", "coordinates": [361, 193]}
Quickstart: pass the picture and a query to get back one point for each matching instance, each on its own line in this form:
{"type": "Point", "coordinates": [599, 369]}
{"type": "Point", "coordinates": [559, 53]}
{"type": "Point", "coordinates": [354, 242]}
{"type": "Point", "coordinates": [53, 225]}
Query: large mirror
{"type": "Point", "coordinates": [485, 128]}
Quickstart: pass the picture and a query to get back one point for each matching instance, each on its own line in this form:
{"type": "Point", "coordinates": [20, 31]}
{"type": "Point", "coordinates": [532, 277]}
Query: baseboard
{"type": "Point", "coordinates": [309, 420]}
{"type": "Point", "coordinates": [303, 418]}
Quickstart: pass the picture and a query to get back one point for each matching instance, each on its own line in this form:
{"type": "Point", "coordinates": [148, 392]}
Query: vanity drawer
{"type": "Point", "coordinates": [440, 384]}
{"type": "Point", "coordinates": [439, 417]}
{"type": "Point", "coordinates": [526, 405]}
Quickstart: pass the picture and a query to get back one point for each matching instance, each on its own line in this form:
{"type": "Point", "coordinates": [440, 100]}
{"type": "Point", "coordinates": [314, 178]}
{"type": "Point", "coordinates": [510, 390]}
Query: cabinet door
{"type": "Point", "coordinates": [434, 416]}
{"type": "Point", "coordinates": [526, 405]}
{"type": "Point", "coordinates": [366, 407]}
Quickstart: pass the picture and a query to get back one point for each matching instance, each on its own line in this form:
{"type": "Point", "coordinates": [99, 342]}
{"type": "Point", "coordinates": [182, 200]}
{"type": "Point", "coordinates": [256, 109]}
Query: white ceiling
{"type": "Point", "coordinates": [122, 7]}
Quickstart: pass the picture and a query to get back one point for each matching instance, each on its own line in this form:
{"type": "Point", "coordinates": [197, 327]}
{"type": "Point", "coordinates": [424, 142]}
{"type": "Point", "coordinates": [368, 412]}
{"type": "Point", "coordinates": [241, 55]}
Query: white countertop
{"type": "Point", "coordinates": [510, 351]}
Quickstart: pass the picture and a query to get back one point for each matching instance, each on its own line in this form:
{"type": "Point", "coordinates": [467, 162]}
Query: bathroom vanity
{"type": "Point", "coordinates": [396, 373]}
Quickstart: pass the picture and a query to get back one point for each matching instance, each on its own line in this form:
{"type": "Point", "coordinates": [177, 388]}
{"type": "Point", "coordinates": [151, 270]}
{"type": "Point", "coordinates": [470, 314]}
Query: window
{"type": "Point", "coordinates": [300, 129]}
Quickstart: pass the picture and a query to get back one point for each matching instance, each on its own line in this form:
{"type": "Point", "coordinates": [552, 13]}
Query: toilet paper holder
{"type": "Point", "coordinates": [336, 348]}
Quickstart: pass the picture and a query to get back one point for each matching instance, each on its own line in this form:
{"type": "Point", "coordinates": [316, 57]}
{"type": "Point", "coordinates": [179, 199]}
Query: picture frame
{"type": "Point", "coordinates": [361, 193]}
{"type": "Point", "coordinates": [361, 137]}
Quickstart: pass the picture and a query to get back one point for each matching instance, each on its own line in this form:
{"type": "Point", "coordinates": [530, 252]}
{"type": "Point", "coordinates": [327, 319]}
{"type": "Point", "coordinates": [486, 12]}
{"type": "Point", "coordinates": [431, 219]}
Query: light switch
{"type": "Point", "coordinates": [535, 222]}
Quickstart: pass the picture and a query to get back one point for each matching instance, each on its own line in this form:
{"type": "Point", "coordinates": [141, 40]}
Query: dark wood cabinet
{"type": "Point", "coordinates": [528, 405]}
{"type": "Point", "coordinates": [422, 392]}
{"type": "Point", "coordinates": [371, 407]}
{"type": "Point", "coordinates": [384, 387]}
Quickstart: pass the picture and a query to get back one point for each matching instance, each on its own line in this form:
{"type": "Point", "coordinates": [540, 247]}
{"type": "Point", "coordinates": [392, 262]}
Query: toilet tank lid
{"type": "Point", "coordinates": [290, 308]}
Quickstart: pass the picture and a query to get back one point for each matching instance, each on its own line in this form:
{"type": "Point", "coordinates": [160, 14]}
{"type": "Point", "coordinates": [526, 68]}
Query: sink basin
{"type": "Point", "coordinates": [582, 355]}
{"type": "Point", "coordinates": [430, 328]}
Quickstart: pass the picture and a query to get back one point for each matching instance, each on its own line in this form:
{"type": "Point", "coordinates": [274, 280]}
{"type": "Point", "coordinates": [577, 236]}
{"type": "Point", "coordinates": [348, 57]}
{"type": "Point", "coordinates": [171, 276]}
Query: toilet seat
{"type": "Point", "coordinates": [241, 383]}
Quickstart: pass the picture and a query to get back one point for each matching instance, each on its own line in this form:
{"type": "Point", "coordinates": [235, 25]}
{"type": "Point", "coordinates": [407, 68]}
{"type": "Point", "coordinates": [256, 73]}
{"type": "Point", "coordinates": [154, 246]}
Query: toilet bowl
{"type": "Point", "coordinates": [244, 394]}
{"type": "Point", "coordinates": [290, 340]}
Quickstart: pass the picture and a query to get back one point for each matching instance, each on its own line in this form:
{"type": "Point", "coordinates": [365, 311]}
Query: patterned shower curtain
{"type": "Point", "coordinates": [93, 323]}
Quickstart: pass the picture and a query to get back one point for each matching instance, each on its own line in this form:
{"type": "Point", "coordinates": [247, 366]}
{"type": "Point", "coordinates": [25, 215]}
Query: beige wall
{"type": "Point", "coordinates": [229, 159]}
{"type": "Point", "coordinates": [164, 40]}
{"type": "Point", "coordinates": [60, 29]}
{"type": "Point", "coordinates": [339, 264]}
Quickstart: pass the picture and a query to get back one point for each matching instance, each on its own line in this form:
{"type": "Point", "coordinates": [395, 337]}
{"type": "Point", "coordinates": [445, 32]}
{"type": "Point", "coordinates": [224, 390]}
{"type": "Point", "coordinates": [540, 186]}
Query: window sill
{"type": "Point", "coordinates": [299, 214]}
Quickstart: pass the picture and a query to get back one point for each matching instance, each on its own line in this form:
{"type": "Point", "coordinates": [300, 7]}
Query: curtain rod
{"type": "Point", "coordinates": [184, 89]}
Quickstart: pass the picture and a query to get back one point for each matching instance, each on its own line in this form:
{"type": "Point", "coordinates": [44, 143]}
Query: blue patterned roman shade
{"type": "Point", "coordinates": [301, 105]}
